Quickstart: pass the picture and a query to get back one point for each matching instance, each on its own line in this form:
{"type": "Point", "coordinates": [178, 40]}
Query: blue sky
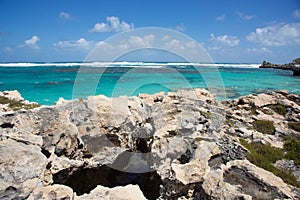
{"type": "Point", "coordinates": [245, 31]}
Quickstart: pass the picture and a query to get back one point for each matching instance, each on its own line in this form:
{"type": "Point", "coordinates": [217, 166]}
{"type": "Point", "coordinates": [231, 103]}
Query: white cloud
{"type": "Point", "coordinates": [7, 49]}
{"type": "Point", "coordinates": [177, 45]}
{"type": "Point", "coordinates": [220, 18]}
{"type": "Point", "coordinates": [191, 44]}
{"type": "Point", "coordinates": [174, 44]}
{"type": "Point", "coordinates": [64, 16]}
{"type": "Point", "coordinates": [259, 50]}
{"type": "Point", "coordinates": [32, 42]}
{"type": "Point", "coordinates": [180, 27]}
{"type": "Point", "coordinates": [136, 41]}
{"type": "Point", "coordinates": [224, 40]}
{"type": "Point", "coordinates": [113, 24]}
{"type": "Point", "coordinates": [276, 35]}
{"type": "Point", "coordinates": [244, 16]}
{"type": "Point", "coordinates": [296, 14]}
{"type": "Point", "coordinates": [132, 42]}
{"type": "Point", "coordinates": [82, 44]}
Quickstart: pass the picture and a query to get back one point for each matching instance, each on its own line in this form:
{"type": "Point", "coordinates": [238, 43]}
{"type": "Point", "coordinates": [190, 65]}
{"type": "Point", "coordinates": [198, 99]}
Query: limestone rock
{"type": "Point", "coordinates": [21, 167]}
{"type": "Point", "coordinates": [52, 192]}
{"type": "Point", "coordinates": [128, 192]}
{"type": "Point", "coordinates": [185, 144]}
{"type": "Point", "coordinates": [191, 172]}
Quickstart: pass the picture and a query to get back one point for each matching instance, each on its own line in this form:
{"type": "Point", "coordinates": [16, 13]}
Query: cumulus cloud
{"type": "Point", "coordinates": [276, 35]}
{"type": "Point", "coordinates": [244, 16]}
{"type": "Point", "coordinates": [74, 44]}
{"type": "Point", "coordinates": [220, 18]}
{"type": "Point", "coordinates": [178, 45]}
{"type": "Point", "coordinates": [137, 41]}
{"type": "Point", "coordinates": [64, 16]}
{"type": "Point", "coordinates": [112, 24]}
{"type": "Point", "coordinates": [259, 50]}
{"type": "Point", "coordinates": [32, 42]}
{"type": "Point", "coordinates": [180, 27]}
{"type": "Point", "coordinates": [132, 42]}
{"type": "Point", "coordinates": [296, 14]}
{"type": "Point", "coordinates": [224, 40]}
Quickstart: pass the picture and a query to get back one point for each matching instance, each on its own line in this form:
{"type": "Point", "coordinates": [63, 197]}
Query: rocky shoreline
{"type": "Point", "coordinates": [293, 66]}
{"type": "Point", "coordinates": [183, 145]}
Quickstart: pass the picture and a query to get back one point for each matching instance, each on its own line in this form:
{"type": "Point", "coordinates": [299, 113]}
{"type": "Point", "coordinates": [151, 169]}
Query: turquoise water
{"type": "Point", "coordinates": [46, 83]}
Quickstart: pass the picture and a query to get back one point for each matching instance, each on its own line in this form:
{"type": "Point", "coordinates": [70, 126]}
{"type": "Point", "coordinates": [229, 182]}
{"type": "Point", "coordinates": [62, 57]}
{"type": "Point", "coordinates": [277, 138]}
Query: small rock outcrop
{"type": "Point", "coordinates": [179, 145]}
{"type": "Point", "coordinates": [293, 66]}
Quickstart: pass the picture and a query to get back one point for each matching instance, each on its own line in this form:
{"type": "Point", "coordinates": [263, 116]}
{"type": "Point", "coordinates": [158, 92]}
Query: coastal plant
{"type": "Point", "coordinates": [264, 156]}
{"type": "Point", "coordinates": [295, 126]}
{"type": "Point", "coordinates": [230, 122]}
{"type": "Point", "coordinates": [292, 148]}
{"type": "Point", "coordinates": [17, 105]}
{"type": "Point", "coordinates": [280, 109]}
{"type": "Point", "coordinates": [4, 100]}
{"type": "Point", "coordinates": [264, 126]}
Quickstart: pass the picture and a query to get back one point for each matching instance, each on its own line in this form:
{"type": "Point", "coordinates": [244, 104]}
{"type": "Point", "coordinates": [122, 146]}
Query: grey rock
{"type": "Point", "coordinates": [21, 167]}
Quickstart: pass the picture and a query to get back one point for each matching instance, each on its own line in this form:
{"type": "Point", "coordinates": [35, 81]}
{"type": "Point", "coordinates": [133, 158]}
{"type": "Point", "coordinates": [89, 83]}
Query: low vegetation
{"type": "Point", "coordinates": [264, 156]}
{"type": "Point", "coordinates": [280, 109]}
{"type": "Point", "coordinates": [17, 105]}
{"type": "Point", "coordinates": [292, 148]}
{"type": "Point", "coordinates": [264, 126]}
{"type": "Point", "coordinates": [295, 126]}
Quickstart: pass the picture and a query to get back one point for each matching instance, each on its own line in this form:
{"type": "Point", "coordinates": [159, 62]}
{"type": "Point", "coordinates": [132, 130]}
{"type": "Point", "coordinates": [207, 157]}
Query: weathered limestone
{"type": "Point", "coordinates": [182, 145]}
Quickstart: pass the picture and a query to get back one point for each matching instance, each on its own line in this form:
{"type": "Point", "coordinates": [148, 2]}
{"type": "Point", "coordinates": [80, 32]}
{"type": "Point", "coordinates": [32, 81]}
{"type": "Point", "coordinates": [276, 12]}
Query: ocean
{"type": "Point", "coordinates": [46, 82]}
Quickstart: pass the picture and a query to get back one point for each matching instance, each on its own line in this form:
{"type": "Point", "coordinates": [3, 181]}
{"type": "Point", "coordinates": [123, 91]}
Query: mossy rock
{"type": "Point", "coordinates": [264, 156]}
{"type": "Point", "coordinates": [295, 126]}
{"type": "Point", "coordinates": [264, 126]}
{"type": "Point", "coordinates": [4, 100]}
{"type": "Point", "coordinates": [17, 105]}
{"type": "Point", "coordinates": [280, 109]}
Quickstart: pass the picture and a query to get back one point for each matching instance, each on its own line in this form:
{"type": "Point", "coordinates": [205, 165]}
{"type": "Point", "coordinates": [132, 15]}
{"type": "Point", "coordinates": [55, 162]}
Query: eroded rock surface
{"type": "Point", "coordinates": [180, 145]}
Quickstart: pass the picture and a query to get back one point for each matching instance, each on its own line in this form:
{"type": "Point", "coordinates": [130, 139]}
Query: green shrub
{"type": "Point", "coordinates": [295, 126]}
{"type": "Point", "coordinates": [270, 153]}
{"type": "Point", "coordinates": [292, 147]}
{"type": "Point", "coordinates": [280, 109]}
{"type": "Point", "coordinates": [264, 126]}
{"type": "Point", "coordinates": [17, 105]}
{"type": "Point", "coordinates": [264, 155]}
{"type": "Point", "coordinates": [4, 100]}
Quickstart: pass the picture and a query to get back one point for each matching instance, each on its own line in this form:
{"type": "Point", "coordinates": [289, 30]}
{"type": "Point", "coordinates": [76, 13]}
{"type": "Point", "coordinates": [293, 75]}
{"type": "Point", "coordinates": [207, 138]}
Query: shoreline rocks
{"type": "Point", "coordinates": [179, 145]}
{"type": "Point", "coordinates": [293, 66]}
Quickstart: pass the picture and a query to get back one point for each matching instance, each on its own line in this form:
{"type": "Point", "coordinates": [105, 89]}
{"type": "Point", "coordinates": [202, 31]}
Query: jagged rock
{"type": "Point", "coordinates": [263, 99]}
{"type": "Point", "coordinates": [128, 192]}
{"type": "Point", "coordinates": [184, 144]}
{"type": "Point", "coordinates": [21, 168]}
{"type": "Point", "coordinates": [52, 192]}
{"type": "Point", "coordinates": [293, 66]}
{"type": "Point", "coordinates": [191, 172]}
{"type": "Point", "coordinates": [13, 95]}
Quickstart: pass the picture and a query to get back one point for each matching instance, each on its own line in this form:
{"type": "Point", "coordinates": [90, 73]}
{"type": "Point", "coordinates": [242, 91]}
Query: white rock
{"type": "Point", "coordinates": [128, 192]}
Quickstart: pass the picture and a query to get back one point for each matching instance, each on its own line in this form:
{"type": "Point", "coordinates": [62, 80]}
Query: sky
{"type": "Point", "coordinates": [231, 31]}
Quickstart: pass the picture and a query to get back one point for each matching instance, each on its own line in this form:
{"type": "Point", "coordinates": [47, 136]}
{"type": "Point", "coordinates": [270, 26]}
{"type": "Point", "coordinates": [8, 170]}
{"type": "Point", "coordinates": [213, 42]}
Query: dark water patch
{"type": "Point", "coordinates": [61, 82]}
{"type": "Point", "coordinates": [86, 179]}
{"type": "Point", "coordinates": [251, 185]}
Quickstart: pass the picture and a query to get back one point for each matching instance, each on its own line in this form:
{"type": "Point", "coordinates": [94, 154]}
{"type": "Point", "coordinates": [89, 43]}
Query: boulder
{"type": "Point", "coordinates": [21, 169]}
{"type": "Point", "coordinates": [52, 192]}
{"type": "Point", "coordinates": [128, 192]}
